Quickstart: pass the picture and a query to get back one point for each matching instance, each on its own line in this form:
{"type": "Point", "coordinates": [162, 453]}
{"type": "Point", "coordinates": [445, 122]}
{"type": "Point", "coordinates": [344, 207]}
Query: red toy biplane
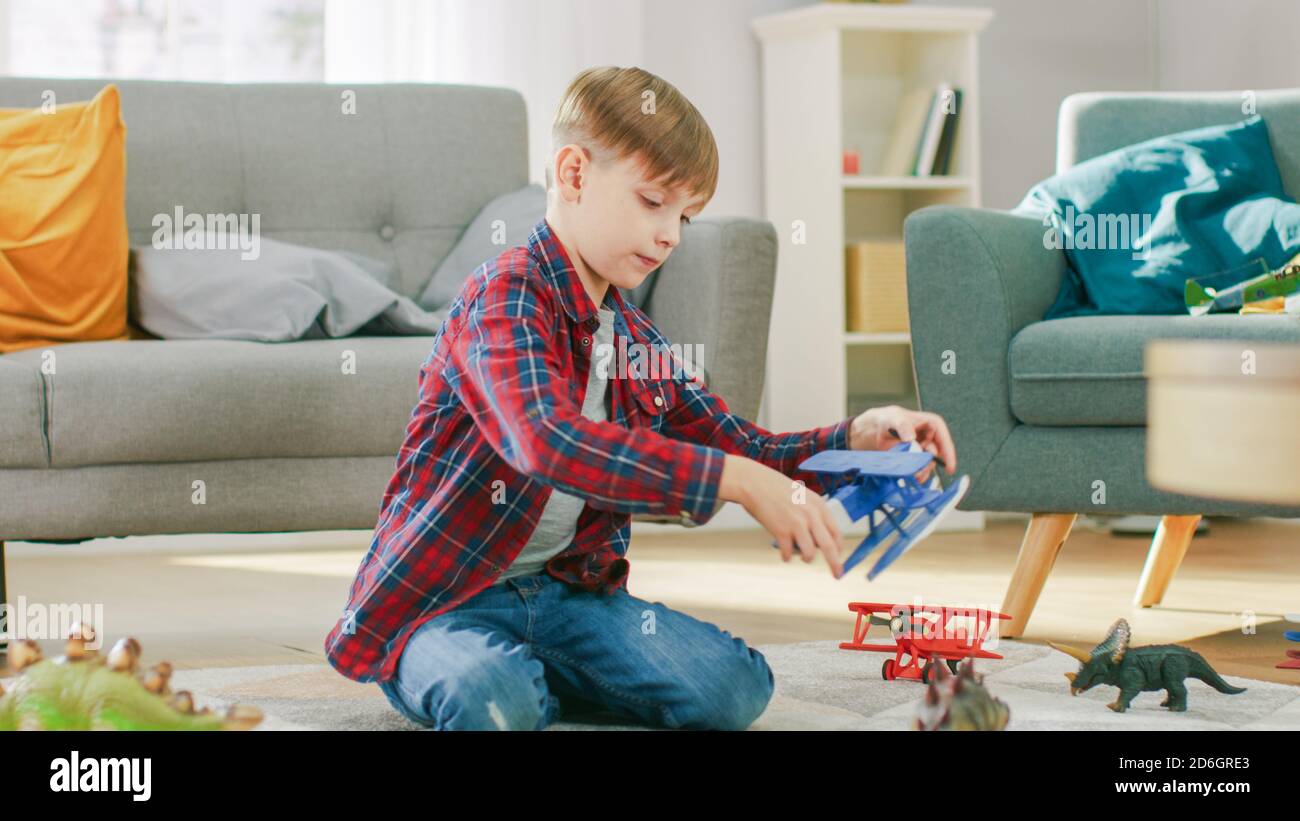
{"type": "Point", "coordinates": [923, 633]}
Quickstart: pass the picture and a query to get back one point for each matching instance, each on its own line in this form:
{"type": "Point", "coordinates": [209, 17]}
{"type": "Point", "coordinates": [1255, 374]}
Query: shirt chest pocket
{"type": "Point", "coordinates": [652, 401]}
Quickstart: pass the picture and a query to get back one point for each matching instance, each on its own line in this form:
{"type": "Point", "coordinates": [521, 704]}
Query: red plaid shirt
{"type": "Point", "coordinates": [499, 424]}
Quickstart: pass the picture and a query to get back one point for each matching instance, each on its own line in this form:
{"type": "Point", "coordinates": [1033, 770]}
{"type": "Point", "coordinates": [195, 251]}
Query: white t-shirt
{"type": "Point", "coordinates": [559, 522]}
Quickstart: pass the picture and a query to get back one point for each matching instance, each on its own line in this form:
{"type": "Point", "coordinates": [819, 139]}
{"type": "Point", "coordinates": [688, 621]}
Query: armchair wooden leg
{"type": "Point", "coordinates": [1043, 539]}
{"type": "Point", "coordinates": [1167, 550]}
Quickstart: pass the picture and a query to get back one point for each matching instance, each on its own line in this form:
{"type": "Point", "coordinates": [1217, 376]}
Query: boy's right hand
{"type": "Point", "coordinates": [769, 496]}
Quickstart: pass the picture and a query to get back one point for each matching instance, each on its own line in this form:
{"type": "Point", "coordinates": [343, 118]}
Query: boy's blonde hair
{"type": "Point", "coordinates": [614, 113]}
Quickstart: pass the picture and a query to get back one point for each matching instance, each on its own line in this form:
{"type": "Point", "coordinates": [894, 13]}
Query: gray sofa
{"type": "Point", "coordinates": [1041, 410]}
{"type": "Point", "coordinates": [116, 441]}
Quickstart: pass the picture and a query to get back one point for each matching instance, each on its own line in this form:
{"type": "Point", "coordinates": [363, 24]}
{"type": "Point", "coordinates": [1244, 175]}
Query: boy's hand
{"type": "Point", "coordinates": [770, 497]}
{"type": "Point", "coordinates": [882, 428]}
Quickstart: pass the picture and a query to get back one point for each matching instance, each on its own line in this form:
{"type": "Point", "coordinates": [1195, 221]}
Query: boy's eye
{"type": "Point", "coordinates": [652, 204]}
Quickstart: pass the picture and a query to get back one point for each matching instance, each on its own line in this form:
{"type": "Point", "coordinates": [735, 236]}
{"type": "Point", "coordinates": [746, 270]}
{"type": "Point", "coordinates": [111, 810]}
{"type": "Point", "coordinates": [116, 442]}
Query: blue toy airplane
{"type": "Point", "coordinates": [882, 487]}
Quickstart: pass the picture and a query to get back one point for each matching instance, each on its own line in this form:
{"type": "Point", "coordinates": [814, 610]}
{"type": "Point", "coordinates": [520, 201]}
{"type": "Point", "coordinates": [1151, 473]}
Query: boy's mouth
{"type": "Point", "coordinates": [647, 261]}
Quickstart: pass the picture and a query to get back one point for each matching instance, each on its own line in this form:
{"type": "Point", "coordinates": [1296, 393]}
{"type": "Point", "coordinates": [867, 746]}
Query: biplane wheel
{"type": "Point", "coordinates": [953, 664]}
{"type": "Point", "coordinates": [887, 670]}
{"type": "Point", "coordinates": [927, 672]}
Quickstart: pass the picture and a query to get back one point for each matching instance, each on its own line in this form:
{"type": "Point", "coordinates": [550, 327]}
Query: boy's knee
{"type": "Point", "coordinates": [740, 694]}
{"type": "Point", "coordinates": [472, 684]}
{"type": "Point", "coordinates": [479, 701]}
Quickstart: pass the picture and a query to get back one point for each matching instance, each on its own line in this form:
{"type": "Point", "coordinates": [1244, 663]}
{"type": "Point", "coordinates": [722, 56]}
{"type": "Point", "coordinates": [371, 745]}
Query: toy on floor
{"type": "Point", "coordinates": [922, 633]}
{"type": "Point", "coordinates": [1137, 669]}
{"type": "Point", "coordinates": [881, 486]}
{"type": "Point", "coordinates": [83, 691]}
{"type": "Point", "coordinates": [960, 702]}
{"type": "Point", "coordinates": [1293, 656]}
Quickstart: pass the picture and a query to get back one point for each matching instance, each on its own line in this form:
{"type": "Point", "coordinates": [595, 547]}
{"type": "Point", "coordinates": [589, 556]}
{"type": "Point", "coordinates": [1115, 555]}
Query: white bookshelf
{"type": "Point", "coordinates": [834, 76]}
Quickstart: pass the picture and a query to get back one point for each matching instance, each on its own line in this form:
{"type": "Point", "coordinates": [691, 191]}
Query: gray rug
{"type": "Point", "coordinates": [819, 687]}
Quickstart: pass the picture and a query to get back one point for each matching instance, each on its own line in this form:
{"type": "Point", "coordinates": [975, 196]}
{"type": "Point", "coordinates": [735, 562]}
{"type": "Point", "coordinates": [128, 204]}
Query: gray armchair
{"type": "Point", "coordinates": [1050, 417]}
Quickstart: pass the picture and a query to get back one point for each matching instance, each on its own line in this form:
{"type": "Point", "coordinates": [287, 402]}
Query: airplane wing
{"type": "Point", "coordinates": [887, 463]}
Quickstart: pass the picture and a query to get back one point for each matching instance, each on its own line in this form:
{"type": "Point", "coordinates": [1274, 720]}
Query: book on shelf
{"type": "Point", "coordinates": [899, 158]}
{"type": "Point", "coordinates": [925, 133]}
{"type": "Point", "coordinates": [948, 138]}
{"type": "Point", "coordinates": [941, 118]}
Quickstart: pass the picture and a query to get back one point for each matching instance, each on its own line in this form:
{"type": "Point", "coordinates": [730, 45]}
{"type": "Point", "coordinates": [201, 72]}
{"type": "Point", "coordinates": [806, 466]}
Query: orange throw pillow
{"type": "Point", "coordinates": [63, 237]}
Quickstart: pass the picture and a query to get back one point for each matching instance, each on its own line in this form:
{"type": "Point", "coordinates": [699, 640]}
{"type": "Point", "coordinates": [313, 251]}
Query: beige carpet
{"type": "Point", "coordinates": [819, 687]}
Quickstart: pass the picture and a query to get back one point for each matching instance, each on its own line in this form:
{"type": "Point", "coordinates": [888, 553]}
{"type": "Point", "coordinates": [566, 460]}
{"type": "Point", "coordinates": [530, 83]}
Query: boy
{"type": "Point", "coordinates": [495, 585]}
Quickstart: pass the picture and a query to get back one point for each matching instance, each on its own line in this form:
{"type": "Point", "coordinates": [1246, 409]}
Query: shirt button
{"type": "Point", "coordinates": [586, 340]}
{"type": "Point", "coordinates": [387, 232]}
{"type": "Point", "coordinates": [659, 401]}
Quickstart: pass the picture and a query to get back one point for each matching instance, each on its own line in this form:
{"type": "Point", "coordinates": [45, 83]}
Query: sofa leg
{"type": "Point", "coordinates": [1167, 550]}
{"type": "Point", "coordinates": [1043, 539]}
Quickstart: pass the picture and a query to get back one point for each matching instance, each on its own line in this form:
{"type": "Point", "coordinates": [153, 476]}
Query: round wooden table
{"type": "Point", "coordinates": [1223, 419]}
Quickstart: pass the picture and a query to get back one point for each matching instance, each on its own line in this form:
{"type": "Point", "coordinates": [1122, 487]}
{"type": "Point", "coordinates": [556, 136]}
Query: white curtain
{"type": "Point", "coordinates": [533, 46]}
{"type": "Point", "coordinates": [4, 37]}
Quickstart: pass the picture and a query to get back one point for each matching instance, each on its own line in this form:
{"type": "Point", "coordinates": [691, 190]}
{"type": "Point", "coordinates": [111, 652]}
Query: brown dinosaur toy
{"type": "Point", "coordinates": [960, 702]}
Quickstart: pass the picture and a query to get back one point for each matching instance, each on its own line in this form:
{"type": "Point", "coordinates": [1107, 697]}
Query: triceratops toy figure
{"type": "Point", "coordinates": [1135, 669]}
{"type": "Point", "coordinates": [83, 691]}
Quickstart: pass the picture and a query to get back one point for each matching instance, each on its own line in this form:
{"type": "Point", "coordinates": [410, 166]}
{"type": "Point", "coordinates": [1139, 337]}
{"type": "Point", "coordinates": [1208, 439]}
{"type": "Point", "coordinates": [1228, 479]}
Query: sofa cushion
{"type": "Point", "coordinates": [195, 400]}
{"type": "Point", "coordinates": [22, 436]}
{"type": "Point", "coordinates": [503, 223]}
{"type": "Point", "coordinates": [1088, 370]}
{"type": "Point", "coordinates": [63, 240]}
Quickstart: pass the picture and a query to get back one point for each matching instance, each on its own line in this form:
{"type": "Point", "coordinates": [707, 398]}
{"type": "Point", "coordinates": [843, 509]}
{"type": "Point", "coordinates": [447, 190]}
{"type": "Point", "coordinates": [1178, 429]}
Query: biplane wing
{"type": "Point", "coordinates": [922, 634]}
{"type": "Point", "coordinates": [889, 464]}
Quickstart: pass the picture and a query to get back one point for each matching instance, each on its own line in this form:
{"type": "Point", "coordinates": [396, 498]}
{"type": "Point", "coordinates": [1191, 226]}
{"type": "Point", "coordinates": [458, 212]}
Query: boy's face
{"type": "Point", "coordinates": [622, 226]}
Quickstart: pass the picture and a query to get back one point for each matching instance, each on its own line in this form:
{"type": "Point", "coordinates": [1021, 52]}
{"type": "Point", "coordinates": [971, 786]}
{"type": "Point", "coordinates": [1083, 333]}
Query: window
{"type": "Point", "coordinates": [215, 40]}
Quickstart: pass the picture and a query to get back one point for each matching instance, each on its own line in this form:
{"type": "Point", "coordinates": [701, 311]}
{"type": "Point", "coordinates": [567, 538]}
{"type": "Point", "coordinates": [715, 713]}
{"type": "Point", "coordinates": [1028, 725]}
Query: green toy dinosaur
{"type": "Point", "coordinates": [83, 691]}
{"type": "Point", "coordinates": [1136, 669]}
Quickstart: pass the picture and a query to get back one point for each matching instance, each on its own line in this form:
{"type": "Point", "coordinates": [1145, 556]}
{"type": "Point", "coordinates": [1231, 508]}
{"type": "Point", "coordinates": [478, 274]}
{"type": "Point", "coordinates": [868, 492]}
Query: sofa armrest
{"type": "Point", "coordinates": [974, 279]}
{"type": "Point", "coordinates": [715, 291]}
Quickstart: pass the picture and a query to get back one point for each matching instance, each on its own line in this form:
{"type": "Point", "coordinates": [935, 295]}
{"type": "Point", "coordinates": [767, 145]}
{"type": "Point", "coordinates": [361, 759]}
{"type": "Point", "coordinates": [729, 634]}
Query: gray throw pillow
{"type": "Point", "coordinates": [519, 212]}
{"type": "Point", "coordinates": [284, 292]}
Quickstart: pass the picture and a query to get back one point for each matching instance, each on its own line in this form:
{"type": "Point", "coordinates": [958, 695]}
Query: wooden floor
{"type": "Point", "coordinates": [273, 600]}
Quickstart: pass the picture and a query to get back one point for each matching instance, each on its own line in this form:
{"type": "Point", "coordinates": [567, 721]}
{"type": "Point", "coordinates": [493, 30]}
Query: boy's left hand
{"type": "Point", "coordinates": [875, 429]}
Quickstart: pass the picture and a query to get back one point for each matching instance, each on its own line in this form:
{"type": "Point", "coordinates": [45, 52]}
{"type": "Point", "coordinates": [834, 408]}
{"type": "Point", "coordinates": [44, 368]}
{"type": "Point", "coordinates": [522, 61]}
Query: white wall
{"type": "Point", "coordinates": [1220, 46]}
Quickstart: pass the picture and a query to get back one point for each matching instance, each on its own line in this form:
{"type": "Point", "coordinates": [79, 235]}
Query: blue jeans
{"type": "Point", "coordinates": [516, 656]}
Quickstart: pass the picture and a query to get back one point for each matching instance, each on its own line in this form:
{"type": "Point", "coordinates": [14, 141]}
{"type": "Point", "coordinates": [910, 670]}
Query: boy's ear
{"type": "Point", "coordinates": [573, 160]}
